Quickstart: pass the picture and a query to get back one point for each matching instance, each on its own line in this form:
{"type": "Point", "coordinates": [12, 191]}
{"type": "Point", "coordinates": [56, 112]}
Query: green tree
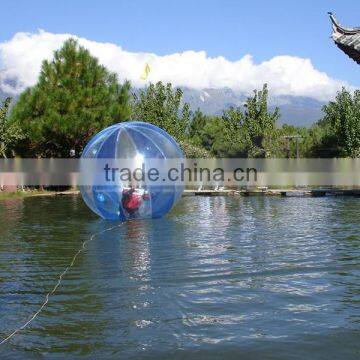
{"type": "Point", "coordinates": [288, 147]}
{"type": "Point", "coordinates": [161, 105]}
{"type": "Point", "coordinates": [323, 141]}
{"type": "Point", "coordinates": [9, 133]}
{"type": "Point", "coordinates": [220, 136]}
{"type": "Point", "coordinates": [193, 151]}
{"type": "Point", "coordinates": [248, 131]}
{"type": "Point", "coordinates": [74, 98]}
{"type": "Point", "coordinates": [260, 124]}
{"type": "Point", "coordinates": [196, 127]}
{"type": "Point", "coordinates": [236, 140]}
{"type": "Point", "coordinates": [341, 124]}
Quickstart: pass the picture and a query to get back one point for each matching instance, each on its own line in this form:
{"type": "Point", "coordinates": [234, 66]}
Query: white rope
{"type": "Point", "coordinates": [57, 284]}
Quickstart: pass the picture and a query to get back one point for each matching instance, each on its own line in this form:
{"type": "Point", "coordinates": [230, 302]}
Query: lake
{"type": "Point", "coordinates": [219, 277]}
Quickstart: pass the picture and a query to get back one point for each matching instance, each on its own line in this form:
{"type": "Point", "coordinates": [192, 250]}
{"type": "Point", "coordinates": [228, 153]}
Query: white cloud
{"type": "Point", "coordinates": [21, 58]}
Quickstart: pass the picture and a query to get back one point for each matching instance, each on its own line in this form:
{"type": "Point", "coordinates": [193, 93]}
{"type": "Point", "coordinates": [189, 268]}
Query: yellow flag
{"type": "Point", "coordinates": [145, 72]}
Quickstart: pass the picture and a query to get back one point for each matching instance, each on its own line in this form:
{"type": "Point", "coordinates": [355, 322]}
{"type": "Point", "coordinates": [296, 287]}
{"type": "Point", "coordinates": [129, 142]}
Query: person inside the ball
{"type": "Point", "coordinates": [132, 199]}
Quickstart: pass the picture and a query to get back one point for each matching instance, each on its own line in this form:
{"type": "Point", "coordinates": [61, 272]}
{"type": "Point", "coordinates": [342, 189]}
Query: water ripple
{"type": "Point", "coordinates": [225, 277]}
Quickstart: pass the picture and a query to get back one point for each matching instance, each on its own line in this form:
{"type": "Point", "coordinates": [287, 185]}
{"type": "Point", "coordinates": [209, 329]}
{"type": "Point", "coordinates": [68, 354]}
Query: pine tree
{"type": "Point", "coordinates": [74, 98]}
{"type": "Point", "coordinates": [9, 133]}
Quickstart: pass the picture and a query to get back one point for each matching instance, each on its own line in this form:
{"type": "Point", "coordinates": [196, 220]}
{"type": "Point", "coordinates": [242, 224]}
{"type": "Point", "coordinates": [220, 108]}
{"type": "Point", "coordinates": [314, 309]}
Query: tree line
{"type": "Point", "coordinates": [75, 97]}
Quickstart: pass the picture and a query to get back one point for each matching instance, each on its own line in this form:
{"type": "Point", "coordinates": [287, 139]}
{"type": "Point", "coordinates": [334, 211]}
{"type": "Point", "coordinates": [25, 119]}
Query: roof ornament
{"type": "Point", "coordinates": [346, 39]}
{"type": "Point", "coordinates": [340, 29]}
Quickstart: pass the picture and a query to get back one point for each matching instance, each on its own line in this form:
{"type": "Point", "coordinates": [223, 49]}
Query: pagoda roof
{"type": "Point", "coordinates": [347, 39]}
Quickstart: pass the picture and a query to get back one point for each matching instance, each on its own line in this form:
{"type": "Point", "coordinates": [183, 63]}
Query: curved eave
{"type": "Point", "coordinates": [340, 29]}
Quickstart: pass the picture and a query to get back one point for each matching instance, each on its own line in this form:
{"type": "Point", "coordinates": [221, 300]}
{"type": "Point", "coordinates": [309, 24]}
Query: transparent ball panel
{"type": "Point", "coordinates": [122, 200]}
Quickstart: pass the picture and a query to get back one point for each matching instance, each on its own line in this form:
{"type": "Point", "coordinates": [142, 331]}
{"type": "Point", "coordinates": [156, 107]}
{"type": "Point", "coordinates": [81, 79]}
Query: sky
{"type": "Point", "coordinates": [191, 43]}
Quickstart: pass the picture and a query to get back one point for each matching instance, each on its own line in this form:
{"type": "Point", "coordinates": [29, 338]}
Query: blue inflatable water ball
{"type": "Point", "coordinates": [122, 199]}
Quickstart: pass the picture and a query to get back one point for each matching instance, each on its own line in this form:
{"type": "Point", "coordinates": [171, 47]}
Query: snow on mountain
{"type": "Point", "coordinates": [295, 110]}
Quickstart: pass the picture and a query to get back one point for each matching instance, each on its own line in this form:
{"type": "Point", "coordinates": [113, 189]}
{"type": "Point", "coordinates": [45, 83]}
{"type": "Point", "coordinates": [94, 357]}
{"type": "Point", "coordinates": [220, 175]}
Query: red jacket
{"type": "Point", "coordinates": [132, 201]}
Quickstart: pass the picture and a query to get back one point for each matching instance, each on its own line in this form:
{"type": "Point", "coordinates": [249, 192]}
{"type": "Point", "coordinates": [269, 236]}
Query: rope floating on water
{"type": "Point", "coordinates": [82, 248]}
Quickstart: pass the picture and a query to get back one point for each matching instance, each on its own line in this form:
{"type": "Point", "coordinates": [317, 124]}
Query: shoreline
{"type": "Point", "coordinates": [4, 195]}
{"type": "Point", "coordinates": [20, 194]}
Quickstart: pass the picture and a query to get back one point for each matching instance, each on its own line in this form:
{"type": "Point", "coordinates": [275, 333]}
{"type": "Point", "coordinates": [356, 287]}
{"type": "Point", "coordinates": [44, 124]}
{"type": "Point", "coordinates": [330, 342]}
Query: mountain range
{"type": "Point", "coordinates": [294, 110]}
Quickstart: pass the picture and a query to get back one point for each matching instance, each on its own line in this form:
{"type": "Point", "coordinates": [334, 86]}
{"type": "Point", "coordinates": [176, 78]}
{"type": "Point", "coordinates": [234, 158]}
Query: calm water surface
{"type": "Point", "coordinates": [219, 277]}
